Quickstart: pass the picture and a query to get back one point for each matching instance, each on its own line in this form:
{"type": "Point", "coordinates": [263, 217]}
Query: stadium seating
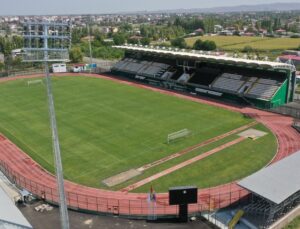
{"type": "Point", "coordinates": [142, 68]}
{"type": "Point", "coordinates": [204, 76]}
{"type": "Point", "coordinates": [168, 74]}
{"type": "Point", "coordinates": [247, 83]}
{"type": "Point", "coordinates": [177, 74]}
{"type": "Point", "coordinates": [263, 88]}
{"type": "Point", "coordinates": [184, 78]}
{"type": "Point", "coordinates": [251, 87]}
{"type": "Point", "coordinates": [229, 82]}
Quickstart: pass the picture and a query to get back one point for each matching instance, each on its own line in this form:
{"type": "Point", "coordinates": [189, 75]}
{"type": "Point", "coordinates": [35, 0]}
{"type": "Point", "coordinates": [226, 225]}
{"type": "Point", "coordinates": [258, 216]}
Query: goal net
{"type": "Point", "coordinates": [178, 135]}
{"type": "Point", "coordinates": [34, 82]}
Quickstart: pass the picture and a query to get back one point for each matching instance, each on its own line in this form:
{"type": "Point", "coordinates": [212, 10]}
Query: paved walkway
{"type": "Point", "coordinates": [27, 173]}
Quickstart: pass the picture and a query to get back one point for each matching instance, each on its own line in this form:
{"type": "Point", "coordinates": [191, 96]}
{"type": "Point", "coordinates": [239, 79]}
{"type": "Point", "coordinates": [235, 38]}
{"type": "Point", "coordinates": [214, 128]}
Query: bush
{"type": "Point", "coordinates": [295, 36]}
{"type": "Point", "coordinates": [198, 45]}
{"type": "Point", "coordinates": [179, 42]}
{"type": "Point", "coordinates": [145, 41]}
{"type": "Point", "coordinates": [133, 41]}
{"type": "Point", "coordinates": [209, 45]}
{"type": "Point", "coordinates": [205, 45]}
{"type": "Point", "coordinates": [247, 49]}
{"type": "Point", "coordinates": [165, 44]}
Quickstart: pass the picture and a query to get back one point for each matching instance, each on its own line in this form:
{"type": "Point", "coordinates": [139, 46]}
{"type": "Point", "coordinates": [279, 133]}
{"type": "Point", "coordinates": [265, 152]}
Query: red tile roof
{"type": "Point", "coordinates": [290, 57]}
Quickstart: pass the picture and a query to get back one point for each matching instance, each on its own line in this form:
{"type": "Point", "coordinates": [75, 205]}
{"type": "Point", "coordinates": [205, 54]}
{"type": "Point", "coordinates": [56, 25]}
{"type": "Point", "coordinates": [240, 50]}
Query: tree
{"type": "Point", "coordinates": [98, 41]}
{"type": "Point", "coordinates": [17, 42]}
{"type": "Point", "coordinates": [77, 34]}
{"type": "Point", "coordinates": [209, 24]}
{"type": "Point", "coordinates": [267, 24]}
{"type": "Point", "coordinates": [126, 27]}
{"type": "Point", "coordinates": [76, 55]}
{"type": "Point", "coordinates": [198, 45]}
{"type": "Point", "coordinates": [17, 61]}
{"type": "Point", "coordinates": [1, 66]}
{"type": "Point", "coordinates": [145, 41]}
{"type": "Point", "coordinates": [189, 24]}
{"type": "Point", "coordinates": [179, 42]}
{"type": "Point", "coordinates": [119, 39]}
{"type": "Point", "coordinates": [277, 24]}
{"type": "Point", "coordinates": [239, 25]}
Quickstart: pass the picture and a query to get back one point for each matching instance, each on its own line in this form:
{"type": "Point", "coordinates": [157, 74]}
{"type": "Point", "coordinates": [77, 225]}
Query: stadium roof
{"type": "Point", "coordinates": [276, 182]}
{"type": "Point", "coordinates": [199, 55]}
{"type": "Point", "coordinates": [10, 216]}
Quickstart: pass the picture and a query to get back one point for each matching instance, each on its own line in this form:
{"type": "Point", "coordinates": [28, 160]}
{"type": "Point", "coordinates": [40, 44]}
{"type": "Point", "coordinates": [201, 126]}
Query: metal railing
{"type": "Point", "coordinates": [21, 73]}
{"type": "Point", "coordinates": [126, 207]}
{"type": "Point", "coordinates": [290, 111]}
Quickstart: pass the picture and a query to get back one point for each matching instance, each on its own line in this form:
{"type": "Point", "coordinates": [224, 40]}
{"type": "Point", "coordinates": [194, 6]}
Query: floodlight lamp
{"type": "Point", "coordinates": [46, 41]}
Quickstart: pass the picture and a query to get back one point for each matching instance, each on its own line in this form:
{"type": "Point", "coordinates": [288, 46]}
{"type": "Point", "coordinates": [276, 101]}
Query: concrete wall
{"type": "Point", "coordinates": [286, 219]}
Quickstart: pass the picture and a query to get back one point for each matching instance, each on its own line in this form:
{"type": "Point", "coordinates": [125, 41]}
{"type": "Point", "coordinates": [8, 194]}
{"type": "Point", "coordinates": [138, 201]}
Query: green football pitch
{"type": "Point", "coordinates": [106, 128]}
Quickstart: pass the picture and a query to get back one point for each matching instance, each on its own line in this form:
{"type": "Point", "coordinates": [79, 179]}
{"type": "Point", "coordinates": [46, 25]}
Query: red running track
{"type": "Point", "coordinates": [26, 173]}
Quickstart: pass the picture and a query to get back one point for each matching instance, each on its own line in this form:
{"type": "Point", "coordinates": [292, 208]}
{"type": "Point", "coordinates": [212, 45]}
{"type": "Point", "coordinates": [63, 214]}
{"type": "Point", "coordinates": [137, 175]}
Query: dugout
{"type": "Point", "coordinates": [263, 84]}
{"type": "Point", "coordinates": [275, 190]}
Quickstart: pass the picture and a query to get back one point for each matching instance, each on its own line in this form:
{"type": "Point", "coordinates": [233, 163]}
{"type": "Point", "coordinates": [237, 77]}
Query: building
{"type": "Point", "coordinates": [275, 190]}
{"type": "Point", "coordinates": [293, 59]}
{"type": "Point", "coordinates": [11, 217]}
{"type": "Point", "coordinates": [16, 53]}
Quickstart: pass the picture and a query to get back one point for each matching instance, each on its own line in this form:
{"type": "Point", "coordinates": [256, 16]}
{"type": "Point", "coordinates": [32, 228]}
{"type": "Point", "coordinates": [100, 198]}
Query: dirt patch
{"type": "Point", "coordinates": [252, 133]}
{"type": "Point", "coordinates": [121, 177]}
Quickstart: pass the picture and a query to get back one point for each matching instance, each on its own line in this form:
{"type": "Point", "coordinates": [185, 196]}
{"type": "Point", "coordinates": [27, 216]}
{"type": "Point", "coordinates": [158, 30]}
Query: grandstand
{"type": "Point", "coordinates": [275, 190]}
{"type": "Point", "coordinates": [143, 68]}
{"type": "Point", "coordinates": [261, 83]}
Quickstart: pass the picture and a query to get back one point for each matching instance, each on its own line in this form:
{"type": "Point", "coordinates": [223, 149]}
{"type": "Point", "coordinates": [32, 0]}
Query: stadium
{"type": "Point", "coordinates": [161, 118]}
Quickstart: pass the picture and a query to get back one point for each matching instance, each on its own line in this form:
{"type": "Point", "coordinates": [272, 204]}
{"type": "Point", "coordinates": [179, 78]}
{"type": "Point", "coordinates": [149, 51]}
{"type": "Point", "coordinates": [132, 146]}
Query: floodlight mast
{"type": "Point", "coordinates": [55, 140]}
{"type": "Point", "coordinates": [90, 47]}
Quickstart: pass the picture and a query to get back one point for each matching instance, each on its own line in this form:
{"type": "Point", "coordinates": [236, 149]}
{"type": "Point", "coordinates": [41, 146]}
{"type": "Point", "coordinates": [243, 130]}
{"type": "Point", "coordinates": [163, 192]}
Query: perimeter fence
{"type": "Point", "coordinates": [208, 199]}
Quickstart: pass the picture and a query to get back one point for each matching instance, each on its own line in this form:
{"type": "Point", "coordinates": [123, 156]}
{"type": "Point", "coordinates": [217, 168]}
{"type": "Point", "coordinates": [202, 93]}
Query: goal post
{"type": "Point", "coordinates": [178, 135]}
{"type": "Point", "coordinates": [33, 82]}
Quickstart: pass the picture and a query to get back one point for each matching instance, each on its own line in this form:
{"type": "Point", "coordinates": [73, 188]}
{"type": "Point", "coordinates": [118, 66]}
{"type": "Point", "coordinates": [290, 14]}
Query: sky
{"type": "Point", "coordinates": [41, 7]}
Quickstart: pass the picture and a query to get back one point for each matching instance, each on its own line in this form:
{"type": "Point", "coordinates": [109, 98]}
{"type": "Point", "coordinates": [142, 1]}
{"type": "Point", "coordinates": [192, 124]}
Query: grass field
{"type": "Point", "coordinates": [223, 166]}
{"type": "Point", "coordinates": [295, 224]}
{"type": "Point", "coordinates": [106, 128]}
{"type": "Point", "coordinates": [298, 89]}
{"type": "Point", "coordinates": [232, 43]}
